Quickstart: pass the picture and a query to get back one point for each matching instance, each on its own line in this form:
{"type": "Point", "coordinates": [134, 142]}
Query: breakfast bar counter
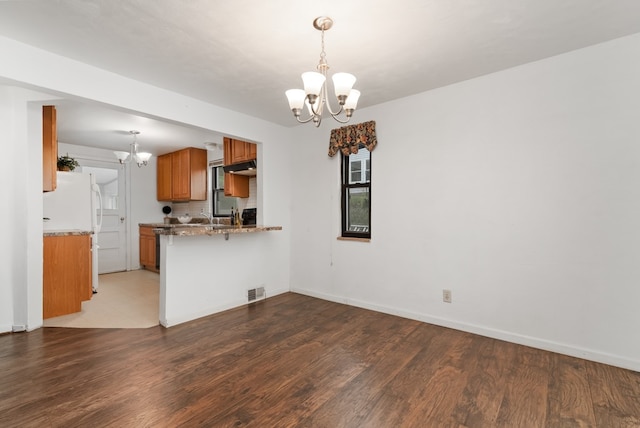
{"type": "Point", "coordinates": [208, 268]}
{"type": "Point", "coordinates": [211, 229]}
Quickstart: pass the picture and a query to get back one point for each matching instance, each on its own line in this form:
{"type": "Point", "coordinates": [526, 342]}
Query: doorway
{"type": "Point", "coordinates": [112, 238]}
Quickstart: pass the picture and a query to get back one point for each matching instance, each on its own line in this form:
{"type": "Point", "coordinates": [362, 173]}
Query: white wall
{"type": "Point", "coordinates": [21, 285]}
{"type": "Point", "coordinates": [29, 67]}
{"type": "Point", "coordinates": [7, 216]}
{"type": "Point", "coordinates": [519, 191]}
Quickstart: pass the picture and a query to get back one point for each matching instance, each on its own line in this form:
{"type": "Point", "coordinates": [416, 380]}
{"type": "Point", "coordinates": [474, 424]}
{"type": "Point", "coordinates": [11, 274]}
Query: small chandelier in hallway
{"type": "Point", "coordinates": [141, 158]}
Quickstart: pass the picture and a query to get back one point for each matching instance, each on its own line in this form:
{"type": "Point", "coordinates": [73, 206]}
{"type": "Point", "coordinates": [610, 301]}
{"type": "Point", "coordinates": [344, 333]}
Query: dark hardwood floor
{"type": "Point", "coordinates": [296, 361]}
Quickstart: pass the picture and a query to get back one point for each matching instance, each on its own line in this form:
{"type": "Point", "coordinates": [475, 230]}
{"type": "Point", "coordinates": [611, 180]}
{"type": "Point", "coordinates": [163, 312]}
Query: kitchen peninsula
{"type": "Point", "coordinates": [205, 269]}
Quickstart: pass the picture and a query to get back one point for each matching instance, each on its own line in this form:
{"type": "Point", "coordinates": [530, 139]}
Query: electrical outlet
{"type": "Point", "coordinates": [446, 296]}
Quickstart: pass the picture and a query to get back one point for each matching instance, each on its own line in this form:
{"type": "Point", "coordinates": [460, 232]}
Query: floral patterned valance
{"type": "Point", "coordinates": [347, 138]}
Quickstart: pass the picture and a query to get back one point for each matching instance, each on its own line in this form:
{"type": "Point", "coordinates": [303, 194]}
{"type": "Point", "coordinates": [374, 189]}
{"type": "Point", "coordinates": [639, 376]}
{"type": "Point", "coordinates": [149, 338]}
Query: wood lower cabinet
{"type": "Point", "coordinates": [66, 274]}
{"type": "Point", "coordinates": [182, 175]}
{"type": "Point", "coordinates": [49, 149]}
{"type": "Point", "coordinates": [148, 258]}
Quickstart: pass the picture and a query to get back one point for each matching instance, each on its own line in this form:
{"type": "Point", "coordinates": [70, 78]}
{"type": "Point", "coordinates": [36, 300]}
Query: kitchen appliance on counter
{"type": "Point", "coordinates": [249, 216]}
{"type": "Point", "coordinates": [76, 204]}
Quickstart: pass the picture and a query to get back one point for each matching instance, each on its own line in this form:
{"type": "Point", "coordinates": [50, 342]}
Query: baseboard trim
{"type": "Point", "coordinates": [534, 342]}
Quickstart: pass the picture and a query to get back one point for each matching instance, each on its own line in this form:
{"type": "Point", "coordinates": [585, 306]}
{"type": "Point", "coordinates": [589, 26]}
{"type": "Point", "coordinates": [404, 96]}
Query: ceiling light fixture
{"type": "Point", "coordinates": [314, 94]}
{"type": "Point", "coordinates": [141, 158]}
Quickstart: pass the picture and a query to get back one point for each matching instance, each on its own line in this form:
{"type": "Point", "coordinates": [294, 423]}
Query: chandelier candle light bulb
{"type": "Point", "coordinates": [314, 94]}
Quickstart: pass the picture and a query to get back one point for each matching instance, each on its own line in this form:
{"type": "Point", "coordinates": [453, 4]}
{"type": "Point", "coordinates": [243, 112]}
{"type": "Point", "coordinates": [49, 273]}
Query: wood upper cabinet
{"type": "Point", "coordinates": [240, 152]}
{"type": "Point", "coordinates": [236, 151]}
{"type": "Point", "coordinates": [236, 185]}
{"type": "Point", "coordinates": [66, 274]}
{"type": "Point", "coordinates": [148, 248]}
{"type": "Point", "coordinates": [227, 148]}
{"type": "Point", "coordinates": [163, 182]}
{"type": "Point", "coordinates": [49, 149]}
{"type": "Point", "coordinates": [182, 175]}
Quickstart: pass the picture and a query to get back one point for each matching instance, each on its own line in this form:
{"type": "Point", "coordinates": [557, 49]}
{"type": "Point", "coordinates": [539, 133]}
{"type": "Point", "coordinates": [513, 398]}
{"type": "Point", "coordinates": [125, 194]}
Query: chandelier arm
{"type": "Point", "coordinates": [324, 95]}
{"type": "Point", "coordinates": [318, 112]}
{"type": "Point", "coordinates": [335, 116]}
{"type": "Point", "coordinates": [304, 120]}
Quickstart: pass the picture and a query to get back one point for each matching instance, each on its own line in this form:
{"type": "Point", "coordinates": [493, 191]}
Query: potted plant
{"type": "Point", "coordinates": [66, 163]}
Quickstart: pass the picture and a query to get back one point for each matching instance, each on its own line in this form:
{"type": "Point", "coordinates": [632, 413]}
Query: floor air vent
{"type": "Point", "coordinates": [256, 294]}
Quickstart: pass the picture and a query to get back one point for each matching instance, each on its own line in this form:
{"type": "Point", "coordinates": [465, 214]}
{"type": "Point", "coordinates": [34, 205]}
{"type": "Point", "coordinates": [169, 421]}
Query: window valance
{"type": "Point", "coordinates": [347, 138]}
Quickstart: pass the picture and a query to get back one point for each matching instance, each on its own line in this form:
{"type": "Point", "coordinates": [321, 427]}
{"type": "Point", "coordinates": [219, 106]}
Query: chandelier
{"type": "Point", "coordinates": [314, 94]}
{"type": "Point", "coordinates": [141, 158]}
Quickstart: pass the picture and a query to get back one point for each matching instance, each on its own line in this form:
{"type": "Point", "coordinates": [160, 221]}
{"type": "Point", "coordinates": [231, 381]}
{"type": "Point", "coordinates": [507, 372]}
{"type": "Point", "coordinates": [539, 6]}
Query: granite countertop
{"type": "Point", "coordinates": [157, 225]}
{"type": "Point", "coordinates": [67, 232]}
{"type": "Point", "coordinates": [194, 223]}
{"type": "Point", "coordinates": [206, 229]}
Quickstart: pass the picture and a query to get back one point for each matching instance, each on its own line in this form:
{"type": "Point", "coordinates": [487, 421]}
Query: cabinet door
{"type": "Point", "coordinates": [228, 148]}
{"type": "Point", "coordinates": [163, 181]}
{"type": "Point", "coordinates": [240, 151]}
{"type": "Point", "coordinates": [236, 185]}
{"type": "Point", "coordinates": [147, 247]}
{"type": "Point", "coordinates": [66, 274]}
{"type": "Point", "coordinates": [236, 151]}
{"type": "Point", "coordinates": [198, 174]}
{"type": "Point", "coordinates": [49, 149]}
{"type": "Point", "coordinates": [180, 176]}
{"type": "Point", "coordinates": [253, 151]}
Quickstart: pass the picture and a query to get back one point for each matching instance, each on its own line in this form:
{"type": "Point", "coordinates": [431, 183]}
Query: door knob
{"type": "Point", "coordinates": [121, 219]}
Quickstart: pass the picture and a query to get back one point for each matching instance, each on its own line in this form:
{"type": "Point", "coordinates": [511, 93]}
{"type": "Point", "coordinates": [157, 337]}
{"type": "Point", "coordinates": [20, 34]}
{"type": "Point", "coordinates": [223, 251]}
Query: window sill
{"type": "Point", "coordinates": [349, 238]}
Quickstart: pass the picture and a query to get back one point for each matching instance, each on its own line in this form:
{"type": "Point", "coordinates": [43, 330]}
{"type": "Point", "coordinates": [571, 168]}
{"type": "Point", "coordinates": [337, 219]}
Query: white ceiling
{"type": "Point", "coordinates": [243, 54]}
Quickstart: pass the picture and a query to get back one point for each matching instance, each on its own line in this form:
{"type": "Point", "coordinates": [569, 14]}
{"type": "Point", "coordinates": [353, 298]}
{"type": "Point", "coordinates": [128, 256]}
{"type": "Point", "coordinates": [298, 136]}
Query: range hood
{"type": "Point", "coordinates": [242, 168]}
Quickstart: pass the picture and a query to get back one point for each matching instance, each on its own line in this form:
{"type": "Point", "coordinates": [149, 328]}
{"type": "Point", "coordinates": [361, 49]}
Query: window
{"type": "Point", "coordinates": [356, 194]}
{"type": "Point", "coordinates": [221, 204]}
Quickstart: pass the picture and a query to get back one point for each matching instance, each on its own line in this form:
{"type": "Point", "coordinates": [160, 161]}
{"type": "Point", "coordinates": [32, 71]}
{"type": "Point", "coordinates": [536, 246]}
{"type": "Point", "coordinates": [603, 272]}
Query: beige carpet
{"type": "Point", "coordinates": [124, 300]}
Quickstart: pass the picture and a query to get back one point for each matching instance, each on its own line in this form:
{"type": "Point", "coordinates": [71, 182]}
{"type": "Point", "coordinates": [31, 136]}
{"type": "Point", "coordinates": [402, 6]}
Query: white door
{"type": "Point", "coordinates": [112, 252]}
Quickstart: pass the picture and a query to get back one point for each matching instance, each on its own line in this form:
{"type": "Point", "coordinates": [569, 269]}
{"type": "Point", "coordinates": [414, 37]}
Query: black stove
{"type": "Point", "coordinates": [249, 216]}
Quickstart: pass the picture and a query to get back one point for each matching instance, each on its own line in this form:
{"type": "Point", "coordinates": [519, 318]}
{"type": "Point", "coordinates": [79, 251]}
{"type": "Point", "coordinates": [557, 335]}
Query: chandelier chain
{"type": "Point", "coordinates": [323, 55]}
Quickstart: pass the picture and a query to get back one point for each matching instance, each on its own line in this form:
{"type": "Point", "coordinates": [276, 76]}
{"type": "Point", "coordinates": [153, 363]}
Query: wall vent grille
{"type": "Point", "coordinates": [255, 294]}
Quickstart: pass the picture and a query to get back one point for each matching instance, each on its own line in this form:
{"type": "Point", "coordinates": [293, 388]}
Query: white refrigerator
{"type": "Point", "coordinates": [76, 204]}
